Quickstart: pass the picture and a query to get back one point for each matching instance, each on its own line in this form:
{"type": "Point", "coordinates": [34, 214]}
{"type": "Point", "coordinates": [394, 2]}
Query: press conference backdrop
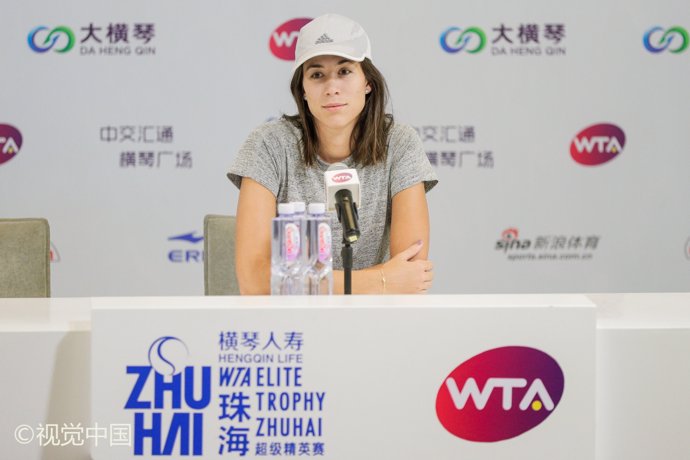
{"type": "Point", "coordinates": [560, 132]}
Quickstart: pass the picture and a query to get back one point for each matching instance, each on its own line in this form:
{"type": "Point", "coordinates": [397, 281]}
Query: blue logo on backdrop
{"type": "Point", "coordinates": [113, 39]}
{"type": "Point", "coordinates": [184, 420]}
{"type": "Point", "coordinates": [187, 237]}
{"type": "Point", "coordinates": [455, 39]}
{"type": "Point", "coordinates": [186, 255]}
{"type": "Point", "coordinates": [51, 39]}
{"type": "Point", "coordinates": [526, 39]}
{"type": "Point", "coordinates": [674, 39]}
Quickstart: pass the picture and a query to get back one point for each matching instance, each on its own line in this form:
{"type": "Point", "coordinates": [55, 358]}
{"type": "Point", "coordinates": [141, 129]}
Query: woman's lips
{"type": "Point", "coordinates": [333, 107]}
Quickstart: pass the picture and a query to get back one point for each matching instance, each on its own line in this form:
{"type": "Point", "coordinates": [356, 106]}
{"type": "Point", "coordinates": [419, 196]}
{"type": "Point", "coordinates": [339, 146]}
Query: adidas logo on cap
{"type": "Point", "coordinates": [323, 39]}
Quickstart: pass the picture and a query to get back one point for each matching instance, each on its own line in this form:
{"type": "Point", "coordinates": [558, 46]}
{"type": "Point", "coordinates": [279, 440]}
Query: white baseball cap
{"type": "Point", "coordinates": [332, 34]}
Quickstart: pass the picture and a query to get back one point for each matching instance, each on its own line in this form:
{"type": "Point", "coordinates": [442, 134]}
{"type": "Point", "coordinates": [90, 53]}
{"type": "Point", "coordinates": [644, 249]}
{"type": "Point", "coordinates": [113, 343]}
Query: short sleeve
{"type": "Point", "coordinates": [258, 159]}
{"type": "Point", "coordinates": [409, 163]}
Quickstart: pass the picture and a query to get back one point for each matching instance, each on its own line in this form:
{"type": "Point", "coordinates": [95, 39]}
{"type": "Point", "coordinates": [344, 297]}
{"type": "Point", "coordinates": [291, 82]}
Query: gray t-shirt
{"type": "Point", "coordinates": [272, 156]}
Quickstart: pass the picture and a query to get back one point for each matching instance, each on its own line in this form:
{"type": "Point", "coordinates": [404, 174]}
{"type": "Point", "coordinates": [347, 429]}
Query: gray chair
{"type": "Point", "coordinates": [24, 258]}
{"type": "Point", "coordinates": [219, 256]}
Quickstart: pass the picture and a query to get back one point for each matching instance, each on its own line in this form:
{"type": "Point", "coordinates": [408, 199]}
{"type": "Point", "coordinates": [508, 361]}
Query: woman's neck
{"type": "Point", "coordinates": [334, 145]}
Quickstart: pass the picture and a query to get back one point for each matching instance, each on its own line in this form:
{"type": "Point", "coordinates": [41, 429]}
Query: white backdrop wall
{"type": "Point", "coordinates": [125, 144]}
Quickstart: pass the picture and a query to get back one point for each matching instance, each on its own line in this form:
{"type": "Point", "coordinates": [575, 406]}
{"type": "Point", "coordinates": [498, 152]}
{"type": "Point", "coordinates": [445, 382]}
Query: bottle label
{"type": "Point", "coordinates": [291, 242]}
{"type": "Point", "coordinates": [324, 242]}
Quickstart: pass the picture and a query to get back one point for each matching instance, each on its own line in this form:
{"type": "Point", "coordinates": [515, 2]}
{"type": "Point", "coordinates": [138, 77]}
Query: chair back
{"type": "Point", "coordinates": [219, 256]}
{"type": "Point", "coordinates": [24, 258]}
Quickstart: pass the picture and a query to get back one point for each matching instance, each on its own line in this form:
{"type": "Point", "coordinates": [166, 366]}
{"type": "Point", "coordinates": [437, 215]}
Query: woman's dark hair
{"type": "Point", "coordinates": [369, 136]}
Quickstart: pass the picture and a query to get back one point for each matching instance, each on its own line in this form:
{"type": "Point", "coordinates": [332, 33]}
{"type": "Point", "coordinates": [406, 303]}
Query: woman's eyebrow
{"type": "Point", "coordinates": [320, 66]}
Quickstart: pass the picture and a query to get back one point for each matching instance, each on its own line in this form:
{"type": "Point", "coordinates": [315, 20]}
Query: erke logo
{"type": "Point", "coordinates": [342, 178]}
{"type": "Point", "coordinates": [284, 39]}
{"type": "Point", "coordinates": [186, 255]}
{"type": "Point", "coordinates": [499, 394]}
{"type": "Point", "coordinates": [597, 144]}
{"type": "Point", "coordinates": [10, 142]}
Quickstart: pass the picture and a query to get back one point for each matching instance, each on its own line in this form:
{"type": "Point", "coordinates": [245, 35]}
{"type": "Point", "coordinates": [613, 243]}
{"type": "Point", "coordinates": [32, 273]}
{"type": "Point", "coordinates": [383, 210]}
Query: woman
{"type": "Point", "coordinates": [341, 99]}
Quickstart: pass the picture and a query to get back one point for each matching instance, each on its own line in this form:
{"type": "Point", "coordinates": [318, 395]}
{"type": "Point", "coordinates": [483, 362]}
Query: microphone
{"type": "Point", "coordinates": [343, 195]}
{"type": "Point", "coordinates": [347, 215]}
{"type": "Point", "coordinates": [338, 177]}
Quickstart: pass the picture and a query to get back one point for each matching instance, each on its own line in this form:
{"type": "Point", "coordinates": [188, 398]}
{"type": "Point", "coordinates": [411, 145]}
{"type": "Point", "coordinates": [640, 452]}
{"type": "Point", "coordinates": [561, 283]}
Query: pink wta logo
{"type": "Point", "coordinates": [10, 142]}
{"type": "Point", "coordinates": [597, 144]}
{"type": "Point", "coordinates": [342, 178]}
{"type": "Point", "coordinates": [284, 39]}
{"type": "Point", "coordinates": [499, 394]}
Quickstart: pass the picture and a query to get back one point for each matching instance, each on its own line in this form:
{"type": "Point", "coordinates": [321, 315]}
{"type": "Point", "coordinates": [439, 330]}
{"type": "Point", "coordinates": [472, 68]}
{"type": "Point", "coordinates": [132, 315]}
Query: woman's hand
{"type": "Point", "coordinates": [406, 276]}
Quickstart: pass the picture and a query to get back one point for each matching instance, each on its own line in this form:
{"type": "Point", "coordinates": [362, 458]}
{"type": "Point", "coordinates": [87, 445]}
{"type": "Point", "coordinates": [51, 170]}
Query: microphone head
{"type": "Point", "coordinates": [337, 166]}
{"type": "Point", "coordinates": [339, 177]}
{"type": "Point", "coordinates": [347, 215]}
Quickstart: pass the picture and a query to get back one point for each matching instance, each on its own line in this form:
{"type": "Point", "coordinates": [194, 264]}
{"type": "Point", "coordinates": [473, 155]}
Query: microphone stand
{"type": "Point", "coordinates": [346, 254]}
{"type": "Point", "coordinates": [347, 215]}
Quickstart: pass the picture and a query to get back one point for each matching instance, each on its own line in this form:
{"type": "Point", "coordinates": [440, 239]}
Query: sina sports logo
{"type": "Point", "coordinates": [499, 394]}
{"type": "Point", "coordinates": [674, 39]}
{"type": "Point", "coordinates": [42, 39]}
{"type": "Point", "coordinates": [471, 40]}
{"type": "Point", "coordinates": [10, 142]}
{"type": "Point", "coordinates": [509, 240]}
{"type": "Point", "coordinates": [597, 144]}
{"type": "Point", "coordinates": [284, 39]}
{"type": "Point", "coordinates": [509, 234]}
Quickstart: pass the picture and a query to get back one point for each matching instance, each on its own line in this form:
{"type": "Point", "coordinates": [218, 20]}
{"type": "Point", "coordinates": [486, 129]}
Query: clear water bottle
{"type": "Point", "coordinates": [300, 267]}
{"type": "Point", "coordinates": [319, 275]}
{"type": "Point", "coordinates": [285, 246]}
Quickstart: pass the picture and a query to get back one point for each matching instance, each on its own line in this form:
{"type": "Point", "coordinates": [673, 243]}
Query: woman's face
{"type": "Point", "coordinates": [335, 90]}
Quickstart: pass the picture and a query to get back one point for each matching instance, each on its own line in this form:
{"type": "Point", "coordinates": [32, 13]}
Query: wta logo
{"type": "Point", "coordinates": [10, 142]}
{"type": "Point", "coordinates": [54, 254]}
{"type": "Point", "coordinates": [284, 39]}
{"type": "Point", "coordinates": [597, 144]}
{"type": "Point", "coordinates": [499, 394]}
{"type": "Point", "coordinates": [42, 39]}
{"type": "Point", "coordinates": [675, 40]}
{"type": "Point", "coordinates": [342, 178]}
{"type": "Point", "coordinates": [471, 40]}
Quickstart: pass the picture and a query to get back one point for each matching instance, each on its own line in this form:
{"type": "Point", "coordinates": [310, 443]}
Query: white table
{"type": "Point", "coordinates": [45, 373]}
{"type": "Point", "coordinates": [642, 383]}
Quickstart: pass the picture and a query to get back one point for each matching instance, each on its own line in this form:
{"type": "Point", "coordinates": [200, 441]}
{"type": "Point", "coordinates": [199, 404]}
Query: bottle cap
{"type": "Point", "coordinates": [317, 208]}
{"type": "Point", "coordinates": [286, 208]}
{"type": "Point", "coordinates": [299, 207]}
